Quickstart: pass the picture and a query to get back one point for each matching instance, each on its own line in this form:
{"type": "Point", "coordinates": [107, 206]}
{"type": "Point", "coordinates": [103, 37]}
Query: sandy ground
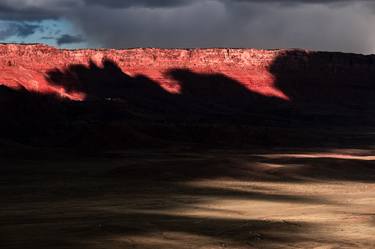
{"type": "Point", "coordinates": [211, 199]}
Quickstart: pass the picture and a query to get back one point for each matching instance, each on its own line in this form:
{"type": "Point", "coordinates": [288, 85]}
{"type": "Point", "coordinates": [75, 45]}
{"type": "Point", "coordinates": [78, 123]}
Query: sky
{"type": "Point", "coordinates": [325, 25]}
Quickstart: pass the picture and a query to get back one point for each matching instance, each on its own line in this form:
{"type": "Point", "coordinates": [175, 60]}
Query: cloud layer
{"type": "Point", "coordinates": [341, 25]}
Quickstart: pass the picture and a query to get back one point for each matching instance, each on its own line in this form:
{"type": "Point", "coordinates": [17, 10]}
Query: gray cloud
{"type": "Point", "coordinates": [19, 29]}
{"type": "Point", "coordinates": [139, 3]}
{"type": "Point", "coordinates": [69, 39]}
{"type": "Point", "coordinates": [316, 24]}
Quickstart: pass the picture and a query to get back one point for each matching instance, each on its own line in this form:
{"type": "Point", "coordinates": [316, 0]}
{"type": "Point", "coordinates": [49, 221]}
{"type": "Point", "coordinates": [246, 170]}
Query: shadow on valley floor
{"type": "Point", "coordinates": [172, 200]}
{"type": "Point", "coordinates": [168, 231]}
{"type": "Point", "coordinates": [103, 203]}
{"type": "Point", "coordinates": [106, 229]}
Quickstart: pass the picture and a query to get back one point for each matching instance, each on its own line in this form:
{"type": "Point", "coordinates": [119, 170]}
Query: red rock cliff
{"type": "Point", "coordinates": [212, 96]}
{"type": "Point", "coordinates": [298, 75]}
{"type": "Point", "coordinates": [27, 66]}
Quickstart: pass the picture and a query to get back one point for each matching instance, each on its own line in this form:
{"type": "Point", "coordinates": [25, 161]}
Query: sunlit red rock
{"type": "Point", "coordinates": [27, 65]}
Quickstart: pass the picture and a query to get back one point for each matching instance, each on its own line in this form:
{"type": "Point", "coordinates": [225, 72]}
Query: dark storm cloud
{"type": "Point", "coordinates": [69, 39]}
{"type": "Point", "coordinates": [25, 10]}
{"type": "Point", "coordinates": [34, 10]}
{"type": "Point", "coordinates": [295, 1]}
{"type": "Point", "coordinates": [173, 3]}
{"type": "Point", "coordinates": [29, 14]}
{"type": "Point", "coordinates": [138, 3]}
{"type": "Point", "coordinates": [51, 9]}
{"type": "Point", "coordinates": [316, 24]}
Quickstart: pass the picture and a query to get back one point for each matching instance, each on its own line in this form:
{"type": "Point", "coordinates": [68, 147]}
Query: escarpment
{"type": "Point", "coordinates": [205, 96]}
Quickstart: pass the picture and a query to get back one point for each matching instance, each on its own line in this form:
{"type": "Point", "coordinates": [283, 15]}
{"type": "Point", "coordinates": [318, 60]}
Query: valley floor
{"type": "Point", "coordinates": [210, 199]}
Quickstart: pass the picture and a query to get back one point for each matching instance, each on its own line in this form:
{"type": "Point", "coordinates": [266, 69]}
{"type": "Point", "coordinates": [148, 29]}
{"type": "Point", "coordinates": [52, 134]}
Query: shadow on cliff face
{"type": "Point", "coordinates": [200, 93]}
{"type": "Point", "coordinates": [331, 98]}
{"type": "Point", "coordinates": [329, 92]}
{"type": "Point", "coordinates": [104, 83]}
{"type": "Point", "coordinates": [30, 118]}
{"type": "Point", "coordinates": [209, 106]}
{"type": "Point", "coordinates": [218, 93]}
{"type": "Point", "coordinates": [331, 88]}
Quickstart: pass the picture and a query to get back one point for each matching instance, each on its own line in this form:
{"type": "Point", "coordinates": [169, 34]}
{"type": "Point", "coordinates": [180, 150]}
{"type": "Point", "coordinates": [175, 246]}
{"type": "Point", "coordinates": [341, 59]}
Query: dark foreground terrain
{"type": "Point", "coordinates": [190, 199]}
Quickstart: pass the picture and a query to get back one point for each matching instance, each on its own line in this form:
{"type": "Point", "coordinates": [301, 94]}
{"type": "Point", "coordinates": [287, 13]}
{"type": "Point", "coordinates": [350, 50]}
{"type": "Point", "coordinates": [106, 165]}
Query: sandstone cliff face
{"type": "Point", "coordinates": [28, 65]}
{"type": "Point", "coordinates": [209, 96]}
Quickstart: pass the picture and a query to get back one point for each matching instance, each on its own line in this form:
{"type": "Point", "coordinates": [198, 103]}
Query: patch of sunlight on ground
{"type": "Point", "coordinates": [321, 155]}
